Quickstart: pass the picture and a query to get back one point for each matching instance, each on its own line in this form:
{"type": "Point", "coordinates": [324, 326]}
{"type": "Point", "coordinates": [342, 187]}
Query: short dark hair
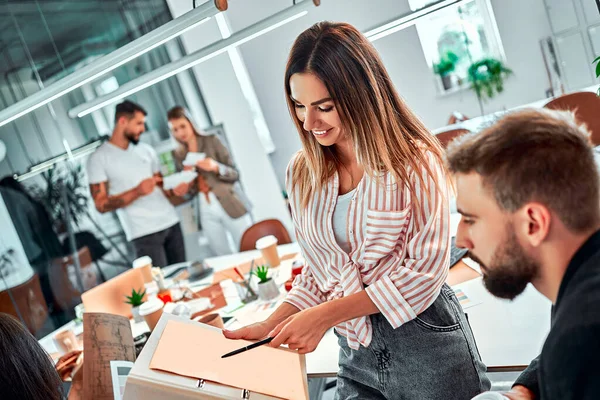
{"type": "Point", "coordinates": [128, 109]}
{"type": "Point", "coordinates": [27, 370]}
{"type": "Point", "coordinates": [535, 155]}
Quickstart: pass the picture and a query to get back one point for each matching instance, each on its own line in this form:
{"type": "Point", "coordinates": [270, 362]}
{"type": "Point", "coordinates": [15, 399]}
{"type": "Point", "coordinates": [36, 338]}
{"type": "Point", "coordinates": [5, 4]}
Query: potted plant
{"type": "Point", "coordinates": [487, 77]}
{"type": "Point", "coordinates": [72, 179]}
{"type": "Point", "coordinates": [445, 67]}
{"type": "Point", "coordinates": [267, 288]}
{"type": "Point", "coordinates": [136, 300]}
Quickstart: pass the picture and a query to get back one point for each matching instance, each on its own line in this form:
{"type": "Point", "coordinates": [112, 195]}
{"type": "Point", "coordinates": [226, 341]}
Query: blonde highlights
{"type": "Point", "coordinates": [386, 135]}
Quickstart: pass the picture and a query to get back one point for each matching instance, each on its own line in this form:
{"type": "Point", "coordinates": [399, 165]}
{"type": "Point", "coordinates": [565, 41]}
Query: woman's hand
{"type": "Point", "coordinates": [302, 331]}
{"type": "Point", "coordinates": [181, 189]}
{"type": "Point", "coordinates": [208, 164]}
{"type": "Point", "coordinates": [256, 331]}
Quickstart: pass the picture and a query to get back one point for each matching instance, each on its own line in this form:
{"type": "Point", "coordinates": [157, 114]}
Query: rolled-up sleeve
{"type": "Point", "coordinates": [414, 281]}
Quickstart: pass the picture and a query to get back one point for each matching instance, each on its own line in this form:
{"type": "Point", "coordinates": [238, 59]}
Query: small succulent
{"type": "Point", "coordinates": [136, 298]}
{"type": "Point", "coordinates": [262, 273]}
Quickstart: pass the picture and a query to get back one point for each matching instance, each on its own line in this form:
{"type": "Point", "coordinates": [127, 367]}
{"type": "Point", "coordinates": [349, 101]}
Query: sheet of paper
{"type": "Point", "coordinates": [245, 268]}
{"type": "Point", "coordinates": [171, 181]}
{"type": "Point", "coordinates": [119, 371]}
{"type": "Point", "coordinates": [106, 337]}
{"type": "Point", "coordinates": [466, 301]}
{"type": "Point", "coordinates": [195, 351]}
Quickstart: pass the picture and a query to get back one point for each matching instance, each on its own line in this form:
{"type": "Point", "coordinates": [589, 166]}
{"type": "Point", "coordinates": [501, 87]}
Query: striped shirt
{"type": "Point", "coordinates": [399, 255]}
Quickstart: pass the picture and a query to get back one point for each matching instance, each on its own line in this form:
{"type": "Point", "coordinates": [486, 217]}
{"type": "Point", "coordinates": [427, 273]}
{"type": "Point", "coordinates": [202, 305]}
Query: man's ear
{"type": "Point", "coordinates": [532, 223]}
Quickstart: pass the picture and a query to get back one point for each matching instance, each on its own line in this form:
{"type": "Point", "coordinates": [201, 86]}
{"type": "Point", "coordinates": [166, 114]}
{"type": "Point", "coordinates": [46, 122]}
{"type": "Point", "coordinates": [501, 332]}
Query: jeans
{"type": "Point", "coordinates": [165, 247]}
{"type": "Point", "coordinates": [431, 357]}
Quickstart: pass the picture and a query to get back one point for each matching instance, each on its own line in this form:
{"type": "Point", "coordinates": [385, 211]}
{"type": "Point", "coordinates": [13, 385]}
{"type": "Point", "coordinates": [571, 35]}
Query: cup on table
{"type": "Point", "coordinates": [66, 341]}
{"type": "Point", "coordinates": [145, 264]}
{"type": "Point", "coordinates": [151, 311]}
{"type": "Point", "coordinates": [268, 247]}
{"type": "Point", "coordinates": [211, 319]}
{"type": "Point", "coordinates": [245, 295]}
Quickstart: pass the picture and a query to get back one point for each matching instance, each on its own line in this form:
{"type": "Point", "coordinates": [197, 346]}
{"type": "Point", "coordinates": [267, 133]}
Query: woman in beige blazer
{"type": "Point", "coordinates": [222, 208]}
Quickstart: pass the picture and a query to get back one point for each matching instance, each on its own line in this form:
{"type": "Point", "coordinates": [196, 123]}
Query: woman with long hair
{"type": "Point", "coordinates": [222, 207]}
{"type": "Point", "coordinates": [27, 370]}
{"type": "Point", "coordinates": [369, 198]}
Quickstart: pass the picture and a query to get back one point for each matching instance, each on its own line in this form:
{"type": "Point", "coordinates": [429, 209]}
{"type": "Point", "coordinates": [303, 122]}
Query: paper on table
{"type": "Point", "coordinates": [245, 268]}
{"type": "Point", "coordinates": [106, 338]}
{"type": "Point", "coordinates": [195, 351]}
{"type": "Point", "coordinates": [119, 372]}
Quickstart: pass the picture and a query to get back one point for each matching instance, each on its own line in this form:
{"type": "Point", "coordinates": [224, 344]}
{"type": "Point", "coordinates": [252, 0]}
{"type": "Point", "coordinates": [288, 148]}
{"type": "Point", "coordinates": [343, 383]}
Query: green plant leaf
{"type": "Point", "coordinates": [597, 62]}
{"type": "Point", "coordinates": [262, 273]}
{"type": "Point", "coordinates": [487, 77]}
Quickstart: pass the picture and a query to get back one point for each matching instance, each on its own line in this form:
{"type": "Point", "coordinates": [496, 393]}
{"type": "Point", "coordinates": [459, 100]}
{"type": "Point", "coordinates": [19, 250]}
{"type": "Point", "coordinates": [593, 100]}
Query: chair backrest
{"type": "Point", "coordinates": [264, 228]}
{"type": "Point", "coordinates": [63, 278]}
{"type": "Point", "coordinates": [29, 301]}
{"type": "Point", "coordinates": [447, 136]}
{"type": "Point", "coordinates": [586, 106]}
{"type": "Point", "coordinates": [109, 297]}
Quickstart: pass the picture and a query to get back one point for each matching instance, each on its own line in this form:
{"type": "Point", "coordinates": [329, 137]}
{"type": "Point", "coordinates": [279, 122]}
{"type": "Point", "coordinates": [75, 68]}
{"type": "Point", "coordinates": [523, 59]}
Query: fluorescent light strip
{"type": "Point", "coordinates": [407, 20]}
{"type": "Point", "coordinates": [184, 67]}
{"type": "Point", "coordinates": [207, 8]}
{"type": "Point", "coordinates": [44, 166]}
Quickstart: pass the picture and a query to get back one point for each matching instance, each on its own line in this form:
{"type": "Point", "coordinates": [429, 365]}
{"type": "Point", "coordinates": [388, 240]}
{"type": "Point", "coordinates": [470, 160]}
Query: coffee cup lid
{"type": "Point", "coordinates": [142, 261]}
{"type": "Point", "coordinates": [151, 306]}
{"type": "Point", "coordinates": [266, 242]}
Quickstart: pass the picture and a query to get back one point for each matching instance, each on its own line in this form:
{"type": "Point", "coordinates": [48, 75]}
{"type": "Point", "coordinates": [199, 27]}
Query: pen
{"type": "Point", "coordinates": [246, 348]}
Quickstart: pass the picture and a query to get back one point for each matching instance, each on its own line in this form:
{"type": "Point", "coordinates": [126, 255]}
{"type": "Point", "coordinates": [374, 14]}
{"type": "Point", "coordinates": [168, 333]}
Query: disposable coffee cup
{"type": "Point", "coordinates": [66, 341]}
{"type": "Point", "coordinates": [268, 247]}
{"type": "Point", "coordinates": [145, 264]}
{"type": "Point", "coordinates": [151, 311]}
{"type": "Point", "coordinates": [211, 319]}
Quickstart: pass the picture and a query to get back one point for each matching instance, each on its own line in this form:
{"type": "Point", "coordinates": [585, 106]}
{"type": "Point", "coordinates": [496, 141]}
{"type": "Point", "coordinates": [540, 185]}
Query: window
{"type": "Point", "coordinates": [457, 36]}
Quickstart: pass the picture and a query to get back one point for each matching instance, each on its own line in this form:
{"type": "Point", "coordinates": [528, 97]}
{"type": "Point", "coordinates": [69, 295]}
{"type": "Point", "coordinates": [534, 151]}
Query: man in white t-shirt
{"type": "Point", "coordinates": [124, 176]}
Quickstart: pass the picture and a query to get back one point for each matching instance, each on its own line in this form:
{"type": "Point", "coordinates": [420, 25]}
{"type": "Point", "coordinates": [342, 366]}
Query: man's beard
{"type": "Point", "coordinates": [510, 269]}
{"type": "Point", "coordinates": [132, 138]}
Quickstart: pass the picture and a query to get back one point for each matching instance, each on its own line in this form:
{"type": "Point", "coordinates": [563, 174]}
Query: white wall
{"type": "Point", "coordinates": [521, 25]}
{"type": "Point", "coordinates": [226, 104]}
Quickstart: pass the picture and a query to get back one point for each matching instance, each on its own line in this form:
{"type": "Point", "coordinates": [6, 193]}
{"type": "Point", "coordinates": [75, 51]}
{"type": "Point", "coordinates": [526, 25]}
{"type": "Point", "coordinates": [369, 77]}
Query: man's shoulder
{"type": "Point", "coordinates": [99, 154]}
{"type": "Point", "coordinates": [144, 148]}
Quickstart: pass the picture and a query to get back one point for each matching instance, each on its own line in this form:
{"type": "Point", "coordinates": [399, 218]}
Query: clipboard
{"type": "Point", "coordinates": [144, 383]}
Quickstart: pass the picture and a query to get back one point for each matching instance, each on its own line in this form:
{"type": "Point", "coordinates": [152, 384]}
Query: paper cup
{"type": "Point", "coordinates": [151, 311]}
{"type": "Point", "coordinates": [211, 319]}
{"type": "Point", "coordinates": [145, 264]}
{"type": "Point", "coordinates": [66, 341]}
{"type": "Point", "coordinates": [268, 247]}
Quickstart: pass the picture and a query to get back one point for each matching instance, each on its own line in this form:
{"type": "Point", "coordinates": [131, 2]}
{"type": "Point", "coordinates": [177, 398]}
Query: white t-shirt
{"type": "Point", "coordinates": [124, 170]}
{"type": "Point", "coordinates": [340, 220]}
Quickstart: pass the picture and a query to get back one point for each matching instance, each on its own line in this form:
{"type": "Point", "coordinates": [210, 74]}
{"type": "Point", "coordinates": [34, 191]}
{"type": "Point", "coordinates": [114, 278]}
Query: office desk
{"type": "Point", "coordinates": [508, 334]}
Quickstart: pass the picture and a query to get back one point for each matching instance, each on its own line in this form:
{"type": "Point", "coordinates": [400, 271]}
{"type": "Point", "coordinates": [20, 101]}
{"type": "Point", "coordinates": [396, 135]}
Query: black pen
{"type": "Point", "coordinates": [249, 347]}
